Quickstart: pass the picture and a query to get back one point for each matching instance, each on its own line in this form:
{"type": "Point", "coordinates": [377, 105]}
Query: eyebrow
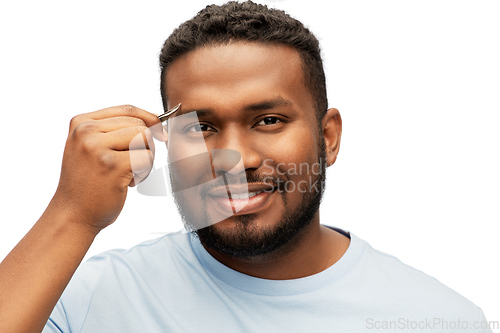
{"type": "Point", "coordinates": [271, 104]}
{"type": "Point", "coordinates": [264, 105]}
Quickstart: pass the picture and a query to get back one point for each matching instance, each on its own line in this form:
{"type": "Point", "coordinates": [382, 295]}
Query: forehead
{"type": "Point", "coordinates": [243, 71]}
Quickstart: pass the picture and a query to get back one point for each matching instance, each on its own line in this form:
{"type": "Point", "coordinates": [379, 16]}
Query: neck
{"type": "Point", "coordinates": [313, 250]}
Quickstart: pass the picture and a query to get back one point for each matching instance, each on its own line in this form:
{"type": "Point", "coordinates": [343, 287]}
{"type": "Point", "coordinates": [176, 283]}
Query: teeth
{"type": "Point", "coordinates": [244, 195]}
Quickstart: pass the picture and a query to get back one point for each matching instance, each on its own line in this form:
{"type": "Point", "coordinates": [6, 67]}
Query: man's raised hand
{"type": "Point", "coordinates": [102, 159]}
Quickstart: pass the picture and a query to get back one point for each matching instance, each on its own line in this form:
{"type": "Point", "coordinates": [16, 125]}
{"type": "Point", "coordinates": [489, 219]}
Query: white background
{"type": "Point", "coordinates": [417, 84]}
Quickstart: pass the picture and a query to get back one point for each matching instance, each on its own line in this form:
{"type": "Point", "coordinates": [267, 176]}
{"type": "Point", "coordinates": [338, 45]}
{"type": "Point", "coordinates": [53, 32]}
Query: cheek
{"type": "Point", "coordinates": [189, 171]}
{"type": "Point", "coordinates": [289, 151]}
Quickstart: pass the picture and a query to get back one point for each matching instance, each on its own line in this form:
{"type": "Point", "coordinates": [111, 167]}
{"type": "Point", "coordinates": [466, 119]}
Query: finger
{"type": "Point", "coordinates": [129, 138]}
{"type": "Point", "coordinates": [141, 166]}
{"type": "Point", "coordinates": [123, 111]}
{"type": "Point", "coordinates": [115, 123]}
{"type": "Point", "coordinates": [122, 165]}
{"type": "Point", "coordinates": [139, 178]}
{"type": "Point", "coordinates": [141, 163]}
{"type": "Point", "coordinates": [105, 125]}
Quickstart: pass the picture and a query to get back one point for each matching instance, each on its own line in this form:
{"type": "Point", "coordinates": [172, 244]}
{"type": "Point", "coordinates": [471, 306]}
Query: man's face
{"type": "Point", "coordinates": [252, 103]}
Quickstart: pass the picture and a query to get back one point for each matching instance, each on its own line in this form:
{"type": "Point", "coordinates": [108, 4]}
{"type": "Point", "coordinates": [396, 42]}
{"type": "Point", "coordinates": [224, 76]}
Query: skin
{"type": "Point", "coordinates": [96, 173]}
{"type": "Point", "coordinates": [225, 82]}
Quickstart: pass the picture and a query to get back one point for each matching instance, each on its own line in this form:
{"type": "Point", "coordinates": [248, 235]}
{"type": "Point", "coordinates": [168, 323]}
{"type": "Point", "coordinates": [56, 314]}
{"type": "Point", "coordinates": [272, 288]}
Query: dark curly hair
{"type": "Point", "coordinates": [248, 21]}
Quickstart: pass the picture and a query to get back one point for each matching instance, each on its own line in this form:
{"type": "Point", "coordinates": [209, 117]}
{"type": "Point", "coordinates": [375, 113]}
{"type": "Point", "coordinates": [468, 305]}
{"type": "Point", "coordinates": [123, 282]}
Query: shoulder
{"type": "Point", "coordinates": [395, 284]}
{"type": "Point", "coordinates": [109, 271]}
{"type": "Point", "coordinates": [142, 257]}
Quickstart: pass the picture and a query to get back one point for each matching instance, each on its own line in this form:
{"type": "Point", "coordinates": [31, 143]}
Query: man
{"type": "Point", "coordinates": [250, 80]}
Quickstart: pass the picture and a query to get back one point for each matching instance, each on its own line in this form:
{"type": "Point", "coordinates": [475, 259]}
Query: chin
{"type": "Point", "coordinates": [244, 236]}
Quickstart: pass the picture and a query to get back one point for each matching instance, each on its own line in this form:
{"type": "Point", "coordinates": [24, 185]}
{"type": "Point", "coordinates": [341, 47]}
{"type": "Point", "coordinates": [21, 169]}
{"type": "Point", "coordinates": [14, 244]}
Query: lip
{"type": "Point", "coordinates": [221, 197]}
{"type": "Point", "coordinates": [240, 189]}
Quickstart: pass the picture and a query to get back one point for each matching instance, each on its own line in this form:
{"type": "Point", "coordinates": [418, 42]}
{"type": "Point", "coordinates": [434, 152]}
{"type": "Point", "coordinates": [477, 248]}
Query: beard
{"type": "Point", "coordinates": [245, 239]}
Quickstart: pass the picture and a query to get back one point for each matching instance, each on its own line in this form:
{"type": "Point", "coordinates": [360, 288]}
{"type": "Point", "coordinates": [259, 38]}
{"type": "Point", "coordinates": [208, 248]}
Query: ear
{"type": "Point", "coordinates": [332, 131]}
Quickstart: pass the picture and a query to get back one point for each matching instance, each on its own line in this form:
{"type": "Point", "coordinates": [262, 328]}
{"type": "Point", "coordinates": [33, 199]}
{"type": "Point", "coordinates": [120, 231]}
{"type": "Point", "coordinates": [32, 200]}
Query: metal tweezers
{"type": "Point", "coordinates": [169, 113]}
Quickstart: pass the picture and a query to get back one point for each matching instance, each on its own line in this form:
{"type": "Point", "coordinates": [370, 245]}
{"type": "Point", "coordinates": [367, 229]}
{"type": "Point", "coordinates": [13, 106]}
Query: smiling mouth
{"type": "Point", "coordinates": [240, 200]}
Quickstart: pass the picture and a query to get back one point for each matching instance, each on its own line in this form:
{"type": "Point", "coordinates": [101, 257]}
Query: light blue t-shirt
{"type": "Point", "coordinates": [172, 284]}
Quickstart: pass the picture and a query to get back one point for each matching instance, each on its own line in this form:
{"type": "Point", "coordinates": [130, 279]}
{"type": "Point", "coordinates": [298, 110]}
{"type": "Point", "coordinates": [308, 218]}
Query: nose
{"type": "Point", "coordinates": [234, 153]}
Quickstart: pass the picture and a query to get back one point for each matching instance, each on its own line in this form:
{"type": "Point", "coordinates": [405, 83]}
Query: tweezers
{"type": "Point", "coordinates": [169, 113]}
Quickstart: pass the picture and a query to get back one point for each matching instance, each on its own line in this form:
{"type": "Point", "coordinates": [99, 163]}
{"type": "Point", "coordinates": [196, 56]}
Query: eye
{"type": "Point", "coordinates": [198, 128]}
{"type": "Point", "coordinates": [268, 121]}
